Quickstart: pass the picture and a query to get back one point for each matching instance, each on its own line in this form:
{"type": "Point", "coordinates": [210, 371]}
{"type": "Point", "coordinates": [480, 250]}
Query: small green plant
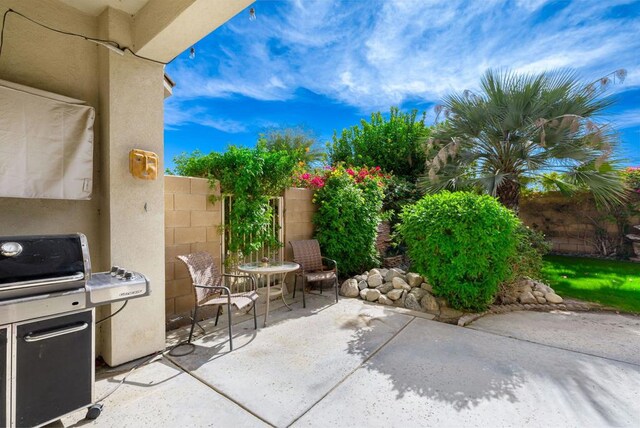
{"type": "Point", "coordinates": [349, 203]}
{"type": "Point", "coordinates": [462, 243]}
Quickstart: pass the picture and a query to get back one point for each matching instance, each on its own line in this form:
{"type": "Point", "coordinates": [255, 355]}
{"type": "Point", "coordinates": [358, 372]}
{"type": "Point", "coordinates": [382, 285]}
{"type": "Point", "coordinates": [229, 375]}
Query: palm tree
{"type": "Point", "coordinates": [521, 126]}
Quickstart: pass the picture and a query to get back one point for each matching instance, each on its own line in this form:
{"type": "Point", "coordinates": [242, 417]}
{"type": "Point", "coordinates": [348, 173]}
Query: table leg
{"type": "Point", "coordinates": [266, 314]}
{"type": "Point", "coordinates": [284, 287]}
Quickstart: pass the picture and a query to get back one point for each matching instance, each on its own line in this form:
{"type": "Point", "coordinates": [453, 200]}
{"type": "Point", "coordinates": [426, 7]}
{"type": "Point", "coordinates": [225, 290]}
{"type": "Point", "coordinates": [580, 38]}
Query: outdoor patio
{"type": "Point", "coordinates": [360, 364]}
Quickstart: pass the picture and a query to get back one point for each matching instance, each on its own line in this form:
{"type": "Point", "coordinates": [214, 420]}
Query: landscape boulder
{"type": "Point", "coordinates": [350, 288]}
{"type": "Point", "coordinates": [400, 283]}
{"type": "Point", "coordinates": [374, 280]}
{"type": "Point", "coordinates": [393, 273]}
{"type": "Point", "coordinates": [372, 295]}
{"type": "Point", "coordinates": [430, 304]}
{"type": "Point", "coordinates": [413, 279]}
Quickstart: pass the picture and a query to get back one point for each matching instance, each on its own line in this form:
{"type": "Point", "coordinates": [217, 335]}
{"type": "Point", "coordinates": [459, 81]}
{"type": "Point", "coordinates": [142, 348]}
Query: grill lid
{"type": "Point", "coordinates": [42, 258]}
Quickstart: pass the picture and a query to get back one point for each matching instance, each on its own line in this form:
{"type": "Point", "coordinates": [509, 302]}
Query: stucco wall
{"type": "Point", "coordinates": [124, 219]}
{"type": "Point", "coordinates": [45, 60]}
{"type": "Point", "coordinates": [192, 224]}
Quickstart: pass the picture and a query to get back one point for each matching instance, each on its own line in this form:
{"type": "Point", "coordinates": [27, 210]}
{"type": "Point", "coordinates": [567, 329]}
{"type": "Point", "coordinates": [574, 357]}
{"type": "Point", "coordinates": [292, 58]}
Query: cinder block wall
{"type": "Point", "coordinates": [192, 223]}
{"type": "Point", "coordinates": [567, 222]}
{"type": "Point", "coordinates": [298, 216]}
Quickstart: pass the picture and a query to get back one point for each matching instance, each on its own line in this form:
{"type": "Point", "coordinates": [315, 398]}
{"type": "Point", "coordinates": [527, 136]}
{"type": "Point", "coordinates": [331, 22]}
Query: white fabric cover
{"type": "Point", "coordinates": [46, 145]}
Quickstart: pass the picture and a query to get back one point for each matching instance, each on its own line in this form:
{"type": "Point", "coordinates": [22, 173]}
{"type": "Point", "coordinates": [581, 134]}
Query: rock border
{"type": "Point", "coordinates": [396, 288]}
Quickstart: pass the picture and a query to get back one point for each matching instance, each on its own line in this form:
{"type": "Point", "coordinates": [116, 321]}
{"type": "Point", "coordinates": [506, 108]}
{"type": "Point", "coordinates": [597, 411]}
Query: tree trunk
{"type": "Point", "coordinates": [508, 194]}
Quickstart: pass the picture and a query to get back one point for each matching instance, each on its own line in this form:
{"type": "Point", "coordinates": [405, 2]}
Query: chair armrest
{"type": "Point", "coordinates": [333, 262]}
{"type": "Point", "coordinates": [253, 280]}
{"type": "Point", "coordinates": [215, 287]}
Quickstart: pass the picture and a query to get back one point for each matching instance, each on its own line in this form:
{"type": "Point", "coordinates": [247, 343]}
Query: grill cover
{"type": "Point", "coordinates": [42, 257]}
{"type": "Point", "coordinates": [46, 145]}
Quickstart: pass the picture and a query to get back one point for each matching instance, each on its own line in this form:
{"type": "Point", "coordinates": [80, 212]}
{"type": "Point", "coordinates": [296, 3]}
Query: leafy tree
{"type": "Point", "coordinates": [298, 142]}
{"type": "Point", "coordinates": [521, 126]}
{"type": "Point", "coordinates": [394, 144]}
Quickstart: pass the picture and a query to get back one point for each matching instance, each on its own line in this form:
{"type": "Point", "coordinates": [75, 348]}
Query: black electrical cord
{"type": "Point", "coordinates": [143, 57]}
{"type": "Point", "coordinates": [143, 363]}
{"type": "Point", "coordinates": [137, 366]}
{"type": "Point", "coordinates": [90, 39]}
{"type": "Point", "coordinates": [4, 20]}
{"type": "Point", "coordinates": [113, 314]}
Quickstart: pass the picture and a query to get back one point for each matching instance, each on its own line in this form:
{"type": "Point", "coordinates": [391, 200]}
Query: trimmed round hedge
{"type": "Point", "coordinates": [462, 243]}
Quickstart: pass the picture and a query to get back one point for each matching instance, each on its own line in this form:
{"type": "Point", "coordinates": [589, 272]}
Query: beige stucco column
{"type": "Point", "coordinates": [131, 103]}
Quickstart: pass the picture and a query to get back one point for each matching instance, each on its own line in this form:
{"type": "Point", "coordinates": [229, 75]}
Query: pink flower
{"type": "Point", "coordinates": [317, 182]}
{"type": "Point", "coordinates": [305, 176]}
{"type": "Point", "coordinates": [351, 172]}
{"type": "Point", "coordinates": [377, 168]}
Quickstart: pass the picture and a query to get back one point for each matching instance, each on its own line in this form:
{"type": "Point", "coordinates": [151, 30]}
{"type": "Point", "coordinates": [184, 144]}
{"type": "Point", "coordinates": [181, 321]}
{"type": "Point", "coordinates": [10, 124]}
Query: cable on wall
{"type": "Point", "coordinates": [110, 44]}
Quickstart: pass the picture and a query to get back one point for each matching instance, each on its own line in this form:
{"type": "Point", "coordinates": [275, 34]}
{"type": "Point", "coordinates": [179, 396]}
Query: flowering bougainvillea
{"type": "Point", "coordinates": [317, 179]}
{"type": "Point", "coordinates": [631, 176]}
{"type": "Point", "coordinates": [349, 202]}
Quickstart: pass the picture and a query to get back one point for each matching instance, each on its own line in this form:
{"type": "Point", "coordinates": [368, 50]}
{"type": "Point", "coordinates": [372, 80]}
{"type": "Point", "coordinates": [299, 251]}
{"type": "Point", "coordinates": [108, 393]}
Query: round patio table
{"type": "Point", "coordinates": [260, 269]}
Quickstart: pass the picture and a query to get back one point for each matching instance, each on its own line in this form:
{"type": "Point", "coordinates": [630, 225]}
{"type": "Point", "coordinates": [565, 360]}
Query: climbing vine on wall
{"type": "Point", "coordinates": [252, 176]}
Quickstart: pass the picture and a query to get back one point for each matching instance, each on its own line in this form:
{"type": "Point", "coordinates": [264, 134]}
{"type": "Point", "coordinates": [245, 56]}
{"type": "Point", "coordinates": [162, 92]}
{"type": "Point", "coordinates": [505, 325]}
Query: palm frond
{"type": "Point", "coordinates": [607, 188]}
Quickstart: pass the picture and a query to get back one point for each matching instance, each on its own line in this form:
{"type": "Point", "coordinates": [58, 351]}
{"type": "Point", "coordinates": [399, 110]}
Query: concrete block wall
{"type": "Point", "coordinates": [298, 217]}
{"type": "Point", "coordinates": [191, 224]}
{"type": "Point", "coordinates": [298, 221]}
{"type": "Point", "coordinates": [567, 222]}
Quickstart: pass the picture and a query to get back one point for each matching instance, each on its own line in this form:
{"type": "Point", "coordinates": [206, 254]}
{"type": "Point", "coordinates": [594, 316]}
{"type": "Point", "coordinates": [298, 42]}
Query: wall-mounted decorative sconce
{"type": "Point", "coordinates": [143, 164]}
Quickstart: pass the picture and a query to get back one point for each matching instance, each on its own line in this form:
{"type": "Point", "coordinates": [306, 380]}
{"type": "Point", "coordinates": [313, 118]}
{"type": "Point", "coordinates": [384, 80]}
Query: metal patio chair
{"type": "Point", "coordinates": [209, 290]}
{"type": "Point", "coordinates": [312, 266]}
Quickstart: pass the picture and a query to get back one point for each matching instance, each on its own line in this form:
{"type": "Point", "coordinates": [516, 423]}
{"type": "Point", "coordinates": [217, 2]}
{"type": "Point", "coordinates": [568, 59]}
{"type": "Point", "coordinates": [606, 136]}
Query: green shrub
{"type": "Point", "coordinates": [530, 247]}
{"type": "Point", "coordinates": [462, 243]}
{"type": "Point", "coordinates": [346, 223]}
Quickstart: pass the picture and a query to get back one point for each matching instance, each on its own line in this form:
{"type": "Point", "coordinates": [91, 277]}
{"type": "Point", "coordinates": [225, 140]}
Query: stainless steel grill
{"type": "Point", "coordinates": [47, 320]}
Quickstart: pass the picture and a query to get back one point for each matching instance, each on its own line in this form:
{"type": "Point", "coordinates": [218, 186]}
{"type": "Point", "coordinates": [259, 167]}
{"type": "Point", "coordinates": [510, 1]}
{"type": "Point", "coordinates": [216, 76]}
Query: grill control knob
{"type": "Point", "coordinates": [128, 275]}
{"type": "Point", "coordinates": [120, 273]}
{"type": "Point", "coordinates": [10, 249]}
{"type": "Point", "coordinates": [114, 270]}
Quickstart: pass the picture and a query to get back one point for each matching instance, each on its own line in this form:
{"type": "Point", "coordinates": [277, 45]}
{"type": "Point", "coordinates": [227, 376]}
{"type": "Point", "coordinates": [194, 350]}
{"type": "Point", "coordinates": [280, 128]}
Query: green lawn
{"type": "Point", "coordinates": [609, 282]}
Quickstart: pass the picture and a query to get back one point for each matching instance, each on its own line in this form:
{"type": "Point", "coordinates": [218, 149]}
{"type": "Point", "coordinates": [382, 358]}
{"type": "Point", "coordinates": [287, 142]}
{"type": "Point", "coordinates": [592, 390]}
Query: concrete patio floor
{"type": "Point", "coordinates": [354, 364]}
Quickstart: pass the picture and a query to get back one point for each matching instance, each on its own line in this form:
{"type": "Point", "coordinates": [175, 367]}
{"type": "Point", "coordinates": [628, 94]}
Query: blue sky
{"type": "Point", "coordinates": [325, 64]}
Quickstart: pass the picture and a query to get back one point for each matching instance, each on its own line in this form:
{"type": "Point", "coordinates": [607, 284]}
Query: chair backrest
{"type": "Point", "coordinates": [203, 271]}
{"type": "Point", "coordinates": [307, 254]}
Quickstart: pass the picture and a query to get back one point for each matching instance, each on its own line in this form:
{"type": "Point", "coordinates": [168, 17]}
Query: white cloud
{"type": "Point", "coordinates": [175, 116]}
{"type": "Point", "coordinates": [374, 54]}
{"type": "Point", "coordinates": [626, 119]}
